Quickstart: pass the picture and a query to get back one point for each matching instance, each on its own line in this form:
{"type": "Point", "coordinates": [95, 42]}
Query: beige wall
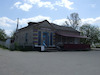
{"type": "Point", "coordinates": [32, 37]}
{"type": "Point", "coordinates": [20, 36]}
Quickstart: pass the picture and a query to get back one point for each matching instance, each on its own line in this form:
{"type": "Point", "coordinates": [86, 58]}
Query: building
{"type": "Point", "coordinates": [46, 34]}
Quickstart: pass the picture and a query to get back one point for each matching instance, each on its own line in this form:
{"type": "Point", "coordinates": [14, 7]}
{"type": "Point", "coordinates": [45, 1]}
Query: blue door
{"type": "Point", "coordinates": [46, 39]}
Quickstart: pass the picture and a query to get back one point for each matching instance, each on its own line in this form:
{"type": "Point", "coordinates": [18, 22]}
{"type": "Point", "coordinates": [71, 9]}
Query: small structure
{"type": "Point", "coordinates": [8, 43]}
{"type": "Point", "coordinates": [49, 35]}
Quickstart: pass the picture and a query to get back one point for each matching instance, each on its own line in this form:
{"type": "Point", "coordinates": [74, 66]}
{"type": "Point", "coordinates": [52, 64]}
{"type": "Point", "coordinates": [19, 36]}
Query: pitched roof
{"type": "Point", "coordinates": [55, 26]}
{"type": "Point", "coordinates": [58, 27]}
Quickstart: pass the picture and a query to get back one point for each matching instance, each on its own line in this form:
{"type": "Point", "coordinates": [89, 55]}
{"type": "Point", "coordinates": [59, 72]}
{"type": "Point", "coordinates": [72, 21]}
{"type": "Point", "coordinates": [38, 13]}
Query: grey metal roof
{"type": "Point", "coordinates": [58, 27]}
{"type": "Point", "coordinates": [55, 26]}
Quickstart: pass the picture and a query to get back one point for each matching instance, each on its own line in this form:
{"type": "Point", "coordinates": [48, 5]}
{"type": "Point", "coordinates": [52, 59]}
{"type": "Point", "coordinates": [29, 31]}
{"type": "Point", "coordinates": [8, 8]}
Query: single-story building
{"type": "Point", "coordinates": [46, 34]}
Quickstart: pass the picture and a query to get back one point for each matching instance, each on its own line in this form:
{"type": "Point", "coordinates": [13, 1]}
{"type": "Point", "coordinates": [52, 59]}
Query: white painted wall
{"type": "Point", "coordinates": [8, 43]}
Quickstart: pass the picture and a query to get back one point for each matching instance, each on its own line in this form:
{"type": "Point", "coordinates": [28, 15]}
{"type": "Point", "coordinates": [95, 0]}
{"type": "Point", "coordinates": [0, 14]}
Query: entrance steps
{"type": "Point", "coordinates": [51, 49]}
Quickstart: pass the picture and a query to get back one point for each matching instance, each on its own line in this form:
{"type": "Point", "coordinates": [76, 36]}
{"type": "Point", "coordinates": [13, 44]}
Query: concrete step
{"type": "Point", "coordinates": [51, 49]}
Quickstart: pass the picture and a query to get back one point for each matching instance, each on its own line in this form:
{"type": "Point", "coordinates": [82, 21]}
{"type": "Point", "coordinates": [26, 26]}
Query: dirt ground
{"type": "Point", "coordinates": [49, 63]}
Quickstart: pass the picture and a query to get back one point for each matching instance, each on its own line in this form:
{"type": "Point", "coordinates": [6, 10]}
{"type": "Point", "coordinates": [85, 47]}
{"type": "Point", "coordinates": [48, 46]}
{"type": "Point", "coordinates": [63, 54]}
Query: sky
{"type": "Point", "coordinates": [55, 11]}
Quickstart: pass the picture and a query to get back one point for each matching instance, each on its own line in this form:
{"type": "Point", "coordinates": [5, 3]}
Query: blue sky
{"type": "Point", "coordinates": [55, 11]}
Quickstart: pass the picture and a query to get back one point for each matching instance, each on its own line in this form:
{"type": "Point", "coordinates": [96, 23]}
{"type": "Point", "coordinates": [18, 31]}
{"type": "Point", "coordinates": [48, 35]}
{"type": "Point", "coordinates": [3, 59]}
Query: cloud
{"type": "Point", "coordinates": [9, 25]}
{"type": "Point", "coordinates": [60, 21]}
{"type": "Point", "coordinates": [39, 18]}
{"type": "Point", "coordinates": [28, 4]}
{"type": "Point", "coordinates": [65, 3]}
{"type": "Point", "coordinates": [9, 31]}
{"type": "Point", "coordinates": [5, 22]}
{"type": "Point", "coordinates": [25, 7]}
{"type": "Point", "coordinates": [46, 4]}
{"type": "Point", "coordinates": [21, 6]}
{"type": "Point", "coordinates": [32, 1]}
{"type": "Point", "coordinates": [40, 3]}
{"type": "Point", "coordinates": [17, 4]}
{"type": "Point", "coordinates": [94, 21]}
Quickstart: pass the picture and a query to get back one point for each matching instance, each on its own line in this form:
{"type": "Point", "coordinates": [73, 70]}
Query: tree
{"type": "Point", "coordinates": [90, 31]}
{"type": "Point", "coordinates": [73, 20]}
{"type": "Point", "coordinates": [3, 35]}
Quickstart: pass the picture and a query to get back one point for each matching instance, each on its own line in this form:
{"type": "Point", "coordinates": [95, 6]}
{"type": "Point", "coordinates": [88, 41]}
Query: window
{"type": "Point", "coordinates": [51, 38]}
{"type": "Point", "coordinates": [39, 38]}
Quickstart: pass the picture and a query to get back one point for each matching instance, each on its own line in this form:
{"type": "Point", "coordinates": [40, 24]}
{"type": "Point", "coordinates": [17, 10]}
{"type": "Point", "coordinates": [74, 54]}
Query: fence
{"type": "Point", "coordinates": [76, 47]}
{"type": "Point", "coordinates": [6, 43]}
{"type": "Point", "coordinates": [2, 43]}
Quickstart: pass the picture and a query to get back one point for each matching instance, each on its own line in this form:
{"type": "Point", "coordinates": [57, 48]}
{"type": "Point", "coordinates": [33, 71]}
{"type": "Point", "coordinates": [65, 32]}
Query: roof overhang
{"type": "Point", "coordinates": [70, 35]}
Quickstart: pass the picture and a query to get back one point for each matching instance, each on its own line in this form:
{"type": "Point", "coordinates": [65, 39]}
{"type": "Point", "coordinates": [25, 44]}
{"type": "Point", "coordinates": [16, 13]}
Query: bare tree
{"type": "Point", "coordinates": [73, 21]}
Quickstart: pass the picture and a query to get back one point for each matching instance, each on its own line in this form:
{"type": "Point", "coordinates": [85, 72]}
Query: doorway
{"type": "Point", "coordinates": [46, 39]}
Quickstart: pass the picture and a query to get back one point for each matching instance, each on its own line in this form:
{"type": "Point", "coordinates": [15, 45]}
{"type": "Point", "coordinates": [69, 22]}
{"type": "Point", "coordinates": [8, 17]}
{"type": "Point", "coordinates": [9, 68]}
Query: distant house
{"type": "Point", "coordinates": [46, 34]}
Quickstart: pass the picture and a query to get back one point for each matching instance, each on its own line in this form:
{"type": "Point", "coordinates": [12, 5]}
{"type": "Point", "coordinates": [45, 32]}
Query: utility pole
{"type": "Point", "coordinates": [17, 24]}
